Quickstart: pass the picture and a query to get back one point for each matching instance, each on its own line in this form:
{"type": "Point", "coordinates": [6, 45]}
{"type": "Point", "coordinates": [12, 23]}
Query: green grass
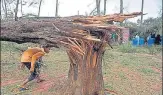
{"type": "Point", "coordinates": [147, 71]}
{"type": "Point", "coordinates": [136, 60]}
{"type": "Point", "coordinates": [109, 86]}
{"type": "Point", "coordinates": [129, 48]}
{"type": "Point", "coordinates": [122, 75]}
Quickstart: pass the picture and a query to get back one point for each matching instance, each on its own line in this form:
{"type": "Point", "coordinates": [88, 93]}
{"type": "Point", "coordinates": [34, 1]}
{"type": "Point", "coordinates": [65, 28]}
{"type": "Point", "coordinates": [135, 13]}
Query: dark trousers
{"type": "Point", "coordinates": [34, 74]}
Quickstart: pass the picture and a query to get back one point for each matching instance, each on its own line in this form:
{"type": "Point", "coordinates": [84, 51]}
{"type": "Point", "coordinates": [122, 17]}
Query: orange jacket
{"type": "Point", "coordinates": [31, 55]}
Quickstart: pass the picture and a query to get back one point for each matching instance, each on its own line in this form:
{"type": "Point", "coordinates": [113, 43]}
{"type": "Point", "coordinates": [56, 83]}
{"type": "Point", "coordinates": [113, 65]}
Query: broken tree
{"type": "Point", "coordinates": [84, 39]}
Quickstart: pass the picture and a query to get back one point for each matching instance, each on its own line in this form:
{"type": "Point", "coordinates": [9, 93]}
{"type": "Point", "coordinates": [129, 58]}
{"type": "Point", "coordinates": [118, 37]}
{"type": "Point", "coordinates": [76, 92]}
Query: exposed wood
{"type": "Point", "coordinates": [54, 29]}
{"type": "Point", "coordinates": [106, 18]}
{"type": "Point", "coordinates": [85, 39]}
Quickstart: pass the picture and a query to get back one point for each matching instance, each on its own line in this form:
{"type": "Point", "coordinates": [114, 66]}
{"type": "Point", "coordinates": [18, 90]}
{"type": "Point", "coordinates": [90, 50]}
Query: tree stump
{"type": "Point", "coordinates": [85, 72]}
{"type": "Point", "coordinates": [84, 38]}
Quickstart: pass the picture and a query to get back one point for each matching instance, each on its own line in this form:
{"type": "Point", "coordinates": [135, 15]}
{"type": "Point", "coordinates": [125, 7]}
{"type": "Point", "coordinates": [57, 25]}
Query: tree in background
{"type": "Point", "coordinates": [121, 9]}
{"type": "Point", "coordinates": [105, 7]}
{"type": "Point", "coordinates": [96, 10]}
{"type": "Point", "coordinates": [121, 6]}
{"type": "Point", "coordinates": [149, 25]}
{"type": "Point", "coordinates": [160, 11]}
{"type": "Point", "coordinates": [8, 9]}
{"type": "Point", "coordinates": [98, 7]}
{"type": "Point", "coordinates": [16, 10]}
{"type": "Point", "coordinates": [22, 7]}
{"type": "Point", "coordinates": [22, 3]}
{"type": "Point", "coordinates": [4, 6]}
{"type": "Point", "coordinates": [39, 8]}
{"type": "Point", "coordinates": [142, 7]}
{"type": "Point", "coordinates": [56, 12]}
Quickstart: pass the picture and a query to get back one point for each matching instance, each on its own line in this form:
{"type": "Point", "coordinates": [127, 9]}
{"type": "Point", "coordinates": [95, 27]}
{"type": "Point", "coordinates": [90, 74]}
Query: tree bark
{"type": "Point", "coordinates": [121, 6]}
{"type": "Point", "coordinates": [39, 8]}
{"type": "Point", "coordinates": [98, 7]}
{"type": "Point", "coordinates": [84, 38]}
{"type": "Point", "coordinates": [16, 10]}
{"type": "Point", "coordinates": [56, 12]}
{"type": "Point", "coordinates": [78, 12]}
{"type": "Point", "coordinates": [142, 7]}
{"type": "Point", "coordinates": [85, 73]}
{"type": "Point", "coordinates": [91, 13]}
{"type": "Point", "coordinates": [22, 7]}
{"type": "Point", "coordinates": [5, 8]}
{"type": "Point", "coordinates": [33, 30]}
{"type": "Point", "coordinates": [105, 7]}
{"type": "Point", "coordinates": [121, 9]}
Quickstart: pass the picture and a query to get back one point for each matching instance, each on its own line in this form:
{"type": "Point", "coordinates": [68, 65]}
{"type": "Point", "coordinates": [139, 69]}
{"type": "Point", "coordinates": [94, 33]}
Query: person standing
{"type": "Point", "coordinates": [158, 39]}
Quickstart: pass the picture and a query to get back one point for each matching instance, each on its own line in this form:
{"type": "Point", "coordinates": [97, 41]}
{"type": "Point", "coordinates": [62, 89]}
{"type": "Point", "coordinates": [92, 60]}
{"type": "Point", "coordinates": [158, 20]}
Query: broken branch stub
{"type": "Point", "coordinates": [85, 39]}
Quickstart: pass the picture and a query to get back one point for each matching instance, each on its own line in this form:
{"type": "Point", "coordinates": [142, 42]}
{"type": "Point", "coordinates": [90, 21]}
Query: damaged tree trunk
{"type": "Point", "coordinates": [84, 38]}
{"type": "Point", "coordinates": [85, 73]}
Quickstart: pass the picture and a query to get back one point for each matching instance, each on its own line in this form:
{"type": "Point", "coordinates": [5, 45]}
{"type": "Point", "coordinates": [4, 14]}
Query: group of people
{"type": "Point", "coordinates": [157, 39]}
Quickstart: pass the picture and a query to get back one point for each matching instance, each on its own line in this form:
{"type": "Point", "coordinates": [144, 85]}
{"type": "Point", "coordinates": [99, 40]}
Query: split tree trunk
{"type": "Point", "coordinates": [85, 73]}
{"type": "Point", "coordinates": [84, 38]}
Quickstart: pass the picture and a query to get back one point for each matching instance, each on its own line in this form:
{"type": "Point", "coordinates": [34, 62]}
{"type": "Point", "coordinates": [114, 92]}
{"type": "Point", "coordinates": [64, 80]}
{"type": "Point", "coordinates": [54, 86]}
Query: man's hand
{"type": "Point", "coordinates": [31, 71]}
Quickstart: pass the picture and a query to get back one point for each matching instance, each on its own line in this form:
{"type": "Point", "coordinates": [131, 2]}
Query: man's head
{"type": "Point", "coordinates": [46, 48]}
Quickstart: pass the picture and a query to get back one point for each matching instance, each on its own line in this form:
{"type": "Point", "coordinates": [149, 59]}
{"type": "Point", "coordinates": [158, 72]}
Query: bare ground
{"type": "Point", "coordinates": [124, 74]}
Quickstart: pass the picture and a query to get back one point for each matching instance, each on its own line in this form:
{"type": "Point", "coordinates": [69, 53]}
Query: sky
{"type": "Point", "coordinates": [71, 7]}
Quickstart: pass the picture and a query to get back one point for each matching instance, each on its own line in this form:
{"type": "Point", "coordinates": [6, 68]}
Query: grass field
{"type": "Point", "coordinates": [127, 70]}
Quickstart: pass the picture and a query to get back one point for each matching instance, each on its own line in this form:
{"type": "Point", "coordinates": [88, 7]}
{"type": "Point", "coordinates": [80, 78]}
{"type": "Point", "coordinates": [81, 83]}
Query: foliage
{"type": "Point", "coordinates": [10, 7]}
{"type": "Point", "coordinates": [150, 25]}
{"type": "Point", "coordinates": [147, 71]}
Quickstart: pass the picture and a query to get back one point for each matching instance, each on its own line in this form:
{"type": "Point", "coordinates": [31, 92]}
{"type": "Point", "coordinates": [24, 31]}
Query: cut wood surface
{"type": "Point", "coordinates": [52, 30]}
{"type": "Point", "coordinates": [85, 40]}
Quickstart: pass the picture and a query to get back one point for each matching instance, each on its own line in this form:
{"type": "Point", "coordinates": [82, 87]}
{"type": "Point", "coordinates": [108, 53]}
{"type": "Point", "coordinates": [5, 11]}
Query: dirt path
{"type": "Point", "coordinates": [12, 81]}
{"type": "Point", "coordinates": [45, 85]}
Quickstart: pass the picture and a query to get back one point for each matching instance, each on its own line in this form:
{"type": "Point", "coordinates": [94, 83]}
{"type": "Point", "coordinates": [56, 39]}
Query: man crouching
{"type": "Point", "coordinates": [30, 59]}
